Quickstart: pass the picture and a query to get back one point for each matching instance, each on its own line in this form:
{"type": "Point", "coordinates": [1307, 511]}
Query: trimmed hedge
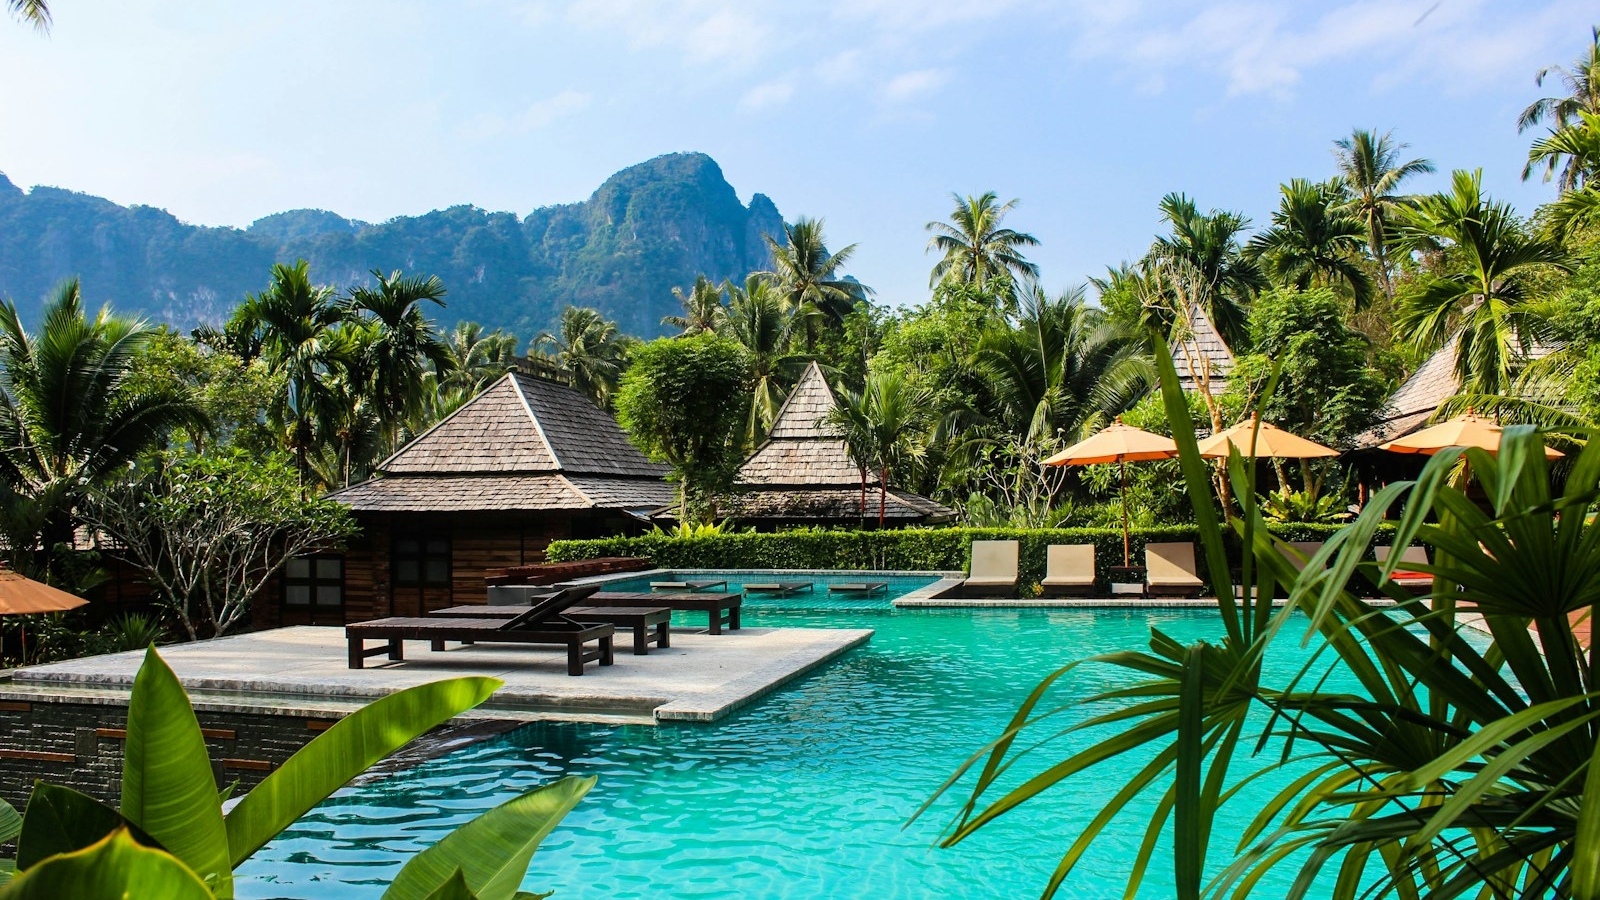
{"type": "Point", "coordinates": [918, 549]}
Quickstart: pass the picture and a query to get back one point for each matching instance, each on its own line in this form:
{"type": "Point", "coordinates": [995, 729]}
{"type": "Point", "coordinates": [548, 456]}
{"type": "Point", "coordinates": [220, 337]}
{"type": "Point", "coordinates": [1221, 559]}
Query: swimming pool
{"type": "Point", "coordinates": [804, 794]}
{"type": "Point", "coordinates": [820, 595]}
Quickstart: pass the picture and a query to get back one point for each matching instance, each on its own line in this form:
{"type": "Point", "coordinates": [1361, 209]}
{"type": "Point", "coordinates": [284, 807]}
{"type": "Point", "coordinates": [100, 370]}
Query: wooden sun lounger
{"type": "Point", "coordinates": [650, 625]}
{"type": "Point", "coordinates": [575, 636]}
{"type": "Point", "coordinates": [1418, 583]}
{"type": "Point", "coordinates": [1170, 569]}
{"type": "Point", "coordinates": [1069, 569]}
{"type": "Point", "coordinates": [722, 608]}
{"type": "Point", "coordinates": [687, 585]}
{"type": "Point", "coordinates": [859, 587]}
{"type": "Point", "coordinates": [993, 571]}
{"type": "Point", "coordinates": [780, 587]}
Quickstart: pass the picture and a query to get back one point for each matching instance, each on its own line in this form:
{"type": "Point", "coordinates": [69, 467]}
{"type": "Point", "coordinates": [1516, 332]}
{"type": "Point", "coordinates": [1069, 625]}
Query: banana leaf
{"type": "Point", "coordinates": [168, 790]}
{"type": "Point", "coordinates": [344, 751]}
{"type": "Point", "coordinates": [491, 852]}
{"type": "Point", "coordinates": [62, 820]}
{"type": "Point", "coordinates": [116, 866]}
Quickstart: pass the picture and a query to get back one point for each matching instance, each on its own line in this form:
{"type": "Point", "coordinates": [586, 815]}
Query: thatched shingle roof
{"type": "Point", "coordinates": [804, 471]}
{"type": "Point", "coordinates": [1414, 403]}
{"type": "Point", "coordinates": [1202, 353]}
{"type": "Point", "coordinates": [524, 443]}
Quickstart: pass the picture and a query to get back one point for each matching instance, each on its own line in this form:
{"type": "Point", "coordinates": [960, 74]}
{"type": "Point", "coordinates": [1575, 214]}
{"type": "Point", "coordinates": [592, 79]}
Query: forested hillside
{"type": "Point", "coordinates": [649, 228]}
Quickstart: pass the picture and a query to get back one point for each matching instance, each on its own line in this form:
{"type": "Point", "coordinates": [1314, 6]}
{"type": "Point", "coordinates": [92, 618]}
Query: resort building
{"type": "Point", "coordinates": [1412, 406]}
{"type": "Point", "coordinates": [803, 474]}
{"type": "Point", "coordinates": [526, 462]}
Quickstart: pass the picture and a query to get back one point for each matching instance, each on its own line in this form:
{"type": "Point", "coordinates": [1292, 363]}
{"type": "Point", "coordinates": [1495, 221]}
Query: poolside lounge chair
{"type": "Point", "coordinates": [994, 569]}
{"type": "Point", "coordinates": [648, 624]}
{"type": "Point", "coordinates": [781, 588]}
{"type": "Point", "coordinates": [722, 608]}
{"type": "Point", "coordinates": [1069, 569]}
{"type": "Point", "coordinates": [1303, 551]}
{"type": "Point", "coordinates": [1170, 569]}
{"type": "Point", "coordinates": [694, 585]}
{"type": "Point", "coordinates": [540, 624]}
{"type": "Point", "coordinates": [1413, 581]}
{"type": "Point", "coordinates": [859, 587]}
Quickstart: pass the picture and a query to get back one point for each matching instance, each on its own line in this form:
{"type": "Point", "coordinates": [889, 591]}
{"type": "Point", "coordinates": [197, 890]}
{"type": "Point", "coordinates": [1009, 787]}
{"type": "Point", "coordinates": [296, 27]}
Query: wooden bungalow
{"type": "Point", "coordinates": [1201, 357]}
{"type": "Point", "coordinates": [527, 461]}
{"type": "Point", "coordinates": [803, 474]}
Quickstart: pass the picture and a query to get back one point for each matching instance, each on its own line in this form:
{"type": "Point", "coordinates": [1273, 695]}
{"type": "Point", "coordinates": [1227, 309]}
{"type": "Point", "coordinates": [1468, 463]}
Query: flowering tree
{"type": "Point", "coordinates": [209, 531]}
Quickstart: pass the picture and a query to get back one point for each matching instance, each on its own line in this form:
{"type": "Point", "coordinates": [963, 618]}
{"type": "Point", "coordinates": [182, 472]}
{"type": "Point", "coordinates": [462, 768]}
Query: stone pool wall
{"type": "Point", "coordinates": [80, 745]}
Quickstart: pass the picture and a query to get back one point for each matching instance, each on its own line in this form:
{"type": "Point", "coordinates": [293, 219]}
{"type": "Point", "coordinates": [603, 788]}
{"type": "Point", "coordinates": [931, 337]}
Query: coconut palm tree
{"type": "Point", "coordinates": [1582, 82]}
{"type": "Point", "coordinates": [975, 250]}
{"type": "Point", "coordinates": [402, 342]}
{"type": "Point", "coordinates": [70, 412]}
{"type": "Point", "coordinates": [702, 307]}
{"type": "Point", "coordinates": [589, 347]}
{"type": "Point", "coordinates": [809, 277]}
{"type": "Point", "coordinates": [1064, 367]}
{"type": "Point", "coordinates": [1209, 245]}
{"type": "Point", "coordinates": [852, 421]}
{"type": "Point", "coordinates": [895, 416]}
{"type": "Point", "coordinates": [292, 321]}
{"type": "Point", "coordinates": [476, 358]}
{"type": "Point", "coordinates": [1573, 149]}
{"type": "Point", "coordinates": [758, 318]}
{"type": "Point", "coordinates": [1482, 302]}
{"type": "Point", "coordinates": [1370, 166]}
{"type": "Point", "coordinates": [34, 12]}
{"type": "Point", "coordinates": [1313, 241]}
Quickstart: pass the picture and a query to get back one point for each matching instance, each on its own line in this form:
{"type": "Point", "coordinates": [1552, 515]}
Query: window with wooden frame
{"type": "Point", "coordinates": [421, 560]}
{"type": "Point", "coordinates": [314, 581]}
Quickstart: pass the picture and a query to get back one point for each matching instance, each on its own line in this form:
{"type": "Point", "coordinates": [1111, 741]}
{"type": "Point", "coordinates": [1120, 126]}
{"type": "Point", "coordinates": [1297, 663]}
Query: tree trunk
{"type": "Point", "coordinates": [883, 493]}
{"type": "Point", "coordinates": [863, 515]}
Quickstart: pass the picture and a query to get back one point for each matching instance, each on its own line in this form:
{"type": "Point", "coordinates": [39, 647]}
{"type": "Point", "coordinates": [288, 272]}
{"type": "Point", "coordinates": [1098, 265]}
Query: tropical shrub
{"type": "Point", "coordinates": [170, 838]}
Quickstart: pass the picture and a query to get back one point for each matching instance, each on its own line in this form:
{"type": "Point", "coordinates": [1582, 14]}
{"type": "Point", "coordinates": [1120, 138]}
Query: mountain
{"type": "Point", "coordinates": [648, 229]}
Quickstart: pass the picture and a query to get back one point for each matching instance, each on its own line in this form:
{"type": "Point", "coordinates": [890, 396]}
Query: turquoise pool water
{"type": "Point", "coordinates": [805, 794]}
{"type": "Point", "coordinates": [817, 597]}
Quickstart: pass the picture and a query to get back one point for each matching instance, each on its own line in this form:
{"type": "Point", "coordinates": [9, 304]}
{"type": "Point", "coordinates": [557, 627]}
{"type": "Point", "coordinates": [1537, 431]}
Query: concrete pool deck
{"type": "Point", "coordinates": [303, 670]}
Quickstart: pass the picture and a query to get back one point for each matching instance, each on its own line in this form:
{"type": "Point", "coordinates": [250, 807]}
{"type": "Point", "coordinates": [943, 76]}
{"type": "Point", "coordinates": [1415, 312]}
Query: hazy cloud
{"type": "Point", "coordinates": [911, 85]}
{"type": "Point", "coordinates": [765, 96]}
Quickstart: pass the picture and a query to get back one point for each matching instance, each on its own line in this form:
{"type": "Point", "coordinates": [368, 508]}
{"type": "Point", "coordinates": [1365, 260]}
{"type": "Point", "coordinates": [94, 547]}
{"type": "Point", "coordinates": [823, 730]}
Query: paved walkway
{"type": "Point", "coordinates": [701, 677]}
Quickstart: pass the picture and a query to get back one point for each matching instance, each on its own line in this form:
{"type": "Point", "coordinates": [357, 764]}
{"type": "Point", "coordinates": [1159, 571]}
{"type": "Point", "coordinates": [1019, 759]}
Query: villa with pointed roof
{"type": "Point", "coordinates": [525, 462]}
{"type": "Point", "coordinates": [803, 474]}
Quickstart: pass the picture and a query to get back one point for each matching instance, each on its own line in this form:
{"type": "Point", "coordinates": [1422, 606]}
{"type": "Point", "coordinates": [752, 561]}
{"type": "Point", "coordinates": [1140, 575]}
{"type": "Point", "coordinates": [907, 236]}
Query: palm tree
{"type": "Point", "coordinates": [894, 414]}
{"type": "Point", "coordinates": [353, 431]}
{"type": "Point", "coordinates": [974, 250]}
{"type": "Point", "coordinates": [852, 421]}
{"type": "Point", "coordinates": [589, 347]}
{"type": "Point", "coordinates": [1065, 367]}
{"type": "Point", "coordinates": [402, 343]}
{"type": "Point", "coordinates": [1313, 241]}
{"type": "Point", "coordinates": [1582, 82]}
{"type": "Point", "coordinates": [1574, 149]}
{"type": "Point", "coordinates": [702, 307]}
{"type": "Point", "coordinates": [475, 358]}
{"type": "Point", "coordinates": [292, 321]}
{"type": "Point", "coordinates": [70, 412]}
{"type": "Point", "coordinates": [758, 318]}
{"type": "Point", "coordinates": [1372, 171]}
{"type": "Point", "coordinates": [34, 12]}
{"type": "Point", "coordinates": [1209, 245]}
{"type": "Point", "coordinates": [1483, 302]}
{"type": "Point", "coordinates": [809, 278]}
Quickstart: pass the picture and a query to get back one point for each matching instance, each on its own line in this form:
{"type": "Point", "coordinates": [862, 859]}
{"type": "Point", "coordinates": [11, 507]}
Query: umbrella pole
{"type": "Point", "coordinates": [1126, 552]}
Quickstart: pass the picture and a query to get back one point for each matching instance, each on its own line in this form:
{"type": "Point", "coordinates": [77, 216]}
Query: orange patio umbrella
{"type": "Point", "coordinates": [1272, 442]}
{"type": "Point", "coordinates": [21, 596]}
{"type": "Point", "coordinates": [1469, 430]}
{"type": "Point", "coordinates": [1120, 444]}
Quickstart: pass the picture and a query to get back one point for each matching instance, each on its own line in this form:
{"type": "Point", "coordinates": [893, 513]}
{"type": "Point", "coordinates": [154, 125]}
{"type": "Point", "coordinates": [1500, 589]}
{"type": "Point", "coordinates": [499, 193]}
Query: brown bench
{"type": "Point", "coordinates": [575, 636]}
{"type": "Point", "coordinates": [650, 625]}
{"type": "Point", "coordinates": [723, 609]}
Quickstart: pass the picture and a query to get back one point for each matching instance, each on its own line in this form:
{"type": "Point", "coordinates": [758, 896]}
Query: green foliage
{"type": "Point", "coordinates": [170, 805]}
{"type": "Point", "coordinates": [591, 348]}
{"type": "Point", "coordinates": [1314, 241]}
{"type": "Point", "coordinates": [115, 867]}
{"type": "Point", "coordinates": [682, 401]}
{"type": "Point", "coordinates": [1289, 505]}
{"type": "Point", "coordinates": [129, 631]}
{"type": "Point", "coordinates": [1326, 391]}
{"type": "Point", "coordinates": [976, 252]}
{"type": "Point", "coordinates": [233, 394]}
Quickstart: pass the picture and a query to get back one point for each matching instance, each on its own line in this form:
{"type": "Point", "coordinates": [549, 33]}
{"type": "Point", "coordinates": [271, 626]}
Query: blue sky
{"type": "Point", "coordinates": [866, 112]}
